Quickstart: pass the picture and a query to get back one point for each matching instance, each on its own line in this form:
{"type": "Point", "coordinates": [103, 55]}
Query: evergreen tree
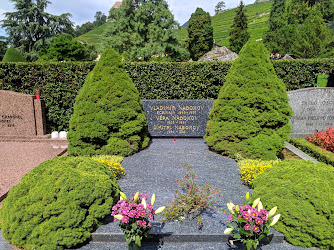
{"type": "Point", "coordinates": [251, 115]}
{"type": "Point", "coordinates": [219, 7]}
{"type": "Point", "coordinates": [3, 46]}
{"type": "Point", "coordinates": [200, 33]}
{"type": "Point", "coordinates": [30, 27]}
{"type": "Point", "coordinates": [108, 117]}
{"type": "Point", "coordinates": [144, 28]}
{"type": "Point", "coordinates": [239, 31]}
{"type": "Point", "coordinates": [12, 55]}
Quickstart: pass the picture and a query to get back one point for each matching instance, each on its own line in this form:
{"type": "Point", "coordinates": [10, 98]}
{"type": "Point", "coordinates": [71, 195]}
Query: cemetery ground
{"type": "Point", "coordinates": [154, 170]}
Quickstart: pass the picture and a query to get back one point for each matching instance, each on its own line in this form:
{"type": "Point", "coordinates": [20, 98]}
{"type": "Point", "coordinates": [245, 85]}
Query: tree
{"type": "Point", "coordinates": [251, 115]}
{"type": "Point", "coordinates": [100, 19]}
{"type": "Point", "coordinates": [108, 117]}
{"type": "Point", "coordinates": [239, 31]}
{"type": "Point", "coordinates": [12, 55]}
{"type": "Point", "coordinates": [3, 46]}
{"type": "Point", "coordinates": [64, 48]}
{"type": "Point", "coordinates": [84, 28]}
{"type": "Point", "coordinates": [200, 33]}
{"type": "Point", "coordinates": [219, 7]}
{"type": "Point", "coordinates": [30, 27]}
{"type": "Point", "coordinates": [144, 28]}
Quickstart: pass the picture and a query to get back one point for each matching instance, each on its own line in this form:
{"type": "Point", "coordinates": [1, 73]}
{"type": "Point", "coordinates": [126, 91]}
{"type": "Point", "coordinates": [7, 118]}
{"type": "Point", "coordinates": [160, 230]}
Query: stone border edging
{"type": "Point", "coordinates": [299, 153]}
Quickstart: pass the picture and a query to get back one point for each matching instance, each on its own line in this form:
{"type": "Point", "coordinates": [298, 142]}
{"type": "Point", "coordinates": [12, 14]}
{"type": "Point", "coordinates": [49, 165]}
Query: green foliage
{"type": "Point", "coordinates": [252, 113]}
{"type": "Point", "coordinates": [30, 27]}
{"type": "Point", "coordinates": [108, 117]}
{"type": "Point", "coordinates": [219, 7]}
{"type": "Point", "coordinates": [113, 162]}
{"type": "Point", "coordinates": [200, 34]}
{"type": "Point", "coordinates": [59, 83]}
{"type": "Point", "coordinates": [257, 15]}
{"type": "Point", "coordinates": [3, 46]}
{"type": "Point", "coordinates": [317, 152]}
{"type": "Point", "coordinates": [12, 55]}
{"type": "Point", "coordinates": [93, 37]}
{"type": "Point", "coordinates": [58, 204]}
{"type": "Point", "coordinates": [142, 29]}
{"type": "Point", "coordinates": [298, 28]}
{"type": "Point", "coordinates": [303, 192]}
{"type": "Point", "coordinates": [64, 48]}
{"type": "Point", "coordinates": [239, 31]}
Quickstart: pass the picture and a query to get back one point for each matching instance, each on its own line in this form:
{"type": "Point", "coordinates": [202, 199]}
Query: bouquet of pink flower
{"type": "Point", "coordinates": [251, 222]}
{"type": "Point", "coordinates": [135, 215]}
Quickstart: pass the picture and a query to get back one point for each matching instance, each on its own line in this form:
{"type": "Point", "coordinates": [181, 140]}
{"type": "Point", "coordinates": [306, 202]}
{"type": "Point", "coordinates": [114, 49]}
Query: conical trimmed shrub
{"type": "Point", "coordinates": [108, 117]}
{"type": "Point", "coordinates": [12, 55]}
{"type": "Point", "coordinates": [251, 115]}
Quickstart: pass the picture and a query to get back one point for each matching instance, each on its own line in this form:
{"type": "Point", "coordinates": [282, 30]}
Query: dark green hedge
{"type": "Point", "coordinates": [59, 82]}
{"type": "Point", "coordinates": [315, 151]}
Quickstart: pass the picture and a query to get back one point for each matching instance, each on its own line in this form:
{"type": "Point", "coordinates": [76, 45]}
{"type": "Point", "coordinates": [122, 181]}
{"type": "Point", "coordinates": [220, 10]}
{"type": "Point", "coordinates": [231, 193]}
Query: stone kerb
{"type": "Point", "coordinates": [21, 115]}
{"type": "Point", "coordinates": [313, 110]}
{"type": "Point", "coordinates": [177, 118]}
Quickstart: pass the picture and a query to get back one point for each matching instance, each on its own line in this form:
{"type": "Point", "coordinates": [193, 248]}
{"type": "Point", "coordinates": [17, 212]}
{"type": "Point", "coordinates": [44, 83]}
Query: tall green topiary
{"type": "Point", "coordinates": [108, 117]}
{"type": "Point", "coordinates": [58, 204]}
{"type": "Point", "coordinates": [12, 55]}
{"type": "Point", "coordinates": [251, 115]}
{"type": "Point", "coordinates": [303, 192]}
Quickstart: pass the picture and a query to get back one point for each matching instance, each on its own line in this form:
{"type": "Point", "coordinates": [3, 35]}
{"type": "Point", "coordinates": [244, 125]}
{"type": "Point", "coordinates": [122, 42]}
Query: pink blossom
{"type": "Point", "coordinates": [149, 206]}
{"type": "Point", "coordinates": [149, 224]}
{"type": "Point", "coordinates": [140, 207]}
{"type": "Point", "coordinates": [248, 227]}
{"type": "Point", "coordinates": [132, 213]}
{"type": "Point", "coordinates": [253, 214]}
{"type": "Point", "coordinates": [264, 217]}
{"type": "Point", "coordinates": [141, 223]}
{"type": "Point", "coordinates": [150, 216]}
{"type": "Point", "coordinates": [258, 221]}
{"type": "Point", "coordinates": [263, 212]}
{"type": "Point", "coordinates": [246, 207]}
{"type": "Point", "coordinates": [247, 218]}
{"type": "Point", "coordinates": [256, 229]}
{"type": "Point", "coordinates": [230, 217]}
{"type": "Point", "coordinates": [141, 213]}
{"type": "Point", "coordinates": [125, 219]}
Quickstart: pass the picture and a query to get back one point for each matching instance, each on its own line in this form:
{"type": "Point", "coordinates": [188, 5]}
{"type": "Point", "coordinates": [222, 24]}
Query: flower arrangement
{"type": "Point", "coordinates": [250, 169]}
{"type": "Point", "coordinates": [251, 222]}
{"type": "Point", "coordinates": [135, 215]}
{"type": "Point", "coordinates": [324, 139]}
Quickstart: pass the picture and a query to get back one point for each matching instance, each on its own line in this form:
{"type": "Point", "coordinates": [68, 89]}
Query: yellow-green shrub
{"type": "Point", "coordinates": [113, 162]}
{"type": "Point", "coordinates": [249, 169]}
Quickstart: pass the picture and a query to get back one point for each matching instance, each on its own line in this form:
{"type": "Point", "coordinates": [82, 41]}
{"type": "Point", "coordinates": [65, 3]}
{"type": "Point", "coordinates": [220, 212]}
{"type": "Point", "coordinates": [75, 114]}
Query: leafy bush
{"type": "Point", "coordinates": [250, 169]}
{"type": "Point", "coordinates": [113, 162]}
{"type": "Point", "coordinates": [313, 150]}
{"type": "Point", "coordinates": [108, 117]}
{"type": "Point", "coordinates": [59, 83]}
{"type": "Point", "coordinates": [58, 203]}
{"type": "Point", "coordinates": [12, 55]}
{"type": "Point", "coordinates": [251, 115]}
{"type": "Point", "coordinates": [324, 139]}
{"type": "Point", "coordinates": [192, 200]}
{"type": "Point", "coordinates": [303, 192]}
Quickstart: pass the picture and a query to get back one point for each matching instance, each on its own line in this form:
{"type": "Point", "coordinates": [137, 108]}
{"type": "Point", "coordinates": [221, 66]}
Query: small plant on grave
{"type": "Point", "coordinates": [250, 222]}
{"type": "Point", "coordinates": [324, 139]}
{"type": "Point", "coordinates": [191, 200]}
{"type": "Point", "coordinates": [250, 169]}
{"type": "Point", "coordinates": [135, 216]}
{"type": "Point", "coordinates": [113, 162]}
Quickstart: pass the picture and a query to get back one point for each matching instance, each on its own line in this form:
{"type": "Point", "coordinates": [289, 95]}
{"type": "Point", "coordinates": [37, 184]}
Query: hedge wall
{"type": "Point", "coordinates": [59, 82]}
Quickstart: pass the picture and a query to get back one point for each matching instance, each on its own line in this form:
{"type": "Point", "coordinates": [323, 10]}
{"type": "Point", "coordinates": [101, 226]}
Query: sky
{"type": "Point", "coordinates": [84, 10]}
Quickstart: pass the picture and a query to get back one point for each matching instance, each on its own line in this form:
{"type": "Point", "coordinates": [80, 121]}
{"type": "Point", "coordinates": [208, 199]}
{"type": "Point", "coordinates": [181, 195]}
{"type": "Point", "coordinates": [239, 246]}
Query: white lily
{"type": "Point", "coordinates": [247, 197]}
{"type": "Point", "coordinates": [259, 206]}
{"type": "Point", "coordinates": [272, 212]}
{"type": "Point", "coordinates": [228, 230]}
{"type": "Point", "coordinates": [123, 196]}
{"type": "Point", "coordinates": [275, 219]}
{"type": "Point", "coordinates": [143, 201]}
{"type": "Point", "coordinates": [153, 199]}
{"type": "Point", "coordinates": [160, 209]}
{"type": "Point", "coordinates": [135, 198]}
{"type": "Point", "coordinates": [118, 216]}
{"type": "Point", "coordinates": [256, 202]}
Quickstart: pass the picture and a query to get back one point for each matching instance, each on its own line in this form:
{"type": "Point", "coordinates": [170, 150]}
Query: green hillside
{"type": "Point", "coordinates": [258, 16]}
{"type": "Point", "coordinates": [93, 37]}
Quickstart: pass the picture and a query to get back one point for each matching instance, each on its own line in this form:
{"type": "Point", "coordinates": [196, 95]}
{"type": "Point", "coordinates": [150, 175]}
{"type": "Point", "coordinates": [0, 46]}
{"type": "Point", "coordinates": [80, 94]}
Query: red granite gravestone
{"type": "Point", "coordinates": [21, 114]}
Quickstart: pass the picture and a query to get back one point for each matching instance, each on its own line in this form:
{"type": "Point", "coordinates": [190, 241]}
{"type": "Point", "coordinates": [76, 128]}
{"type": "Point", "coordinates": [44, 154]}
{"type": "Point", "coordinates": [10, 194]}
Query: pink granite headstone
{"type": "Point", "coordinates": [21, 114]}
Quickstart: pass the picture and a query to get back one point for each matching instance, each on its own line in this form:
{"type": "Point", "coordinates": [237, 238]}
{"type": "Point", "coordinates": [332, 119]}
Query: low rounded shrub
{"type": "Point", "coordinates": [113, 162]}
{"type": "Point", "coordinates": [58, 203]}
{"type": "Point", "coordinates": [303, 192]}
